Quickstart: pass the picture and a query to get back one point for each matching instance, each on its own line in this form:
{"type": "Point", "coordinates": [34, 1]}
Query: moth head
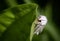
{"type": "Point", "coordinates": [42, 20]}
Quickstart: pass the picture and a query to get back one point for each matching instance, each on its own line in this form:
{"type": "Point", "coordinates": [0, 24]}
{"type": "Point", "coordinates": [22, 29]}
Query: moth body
{"type": "Point", "coordinates": [41, 22]}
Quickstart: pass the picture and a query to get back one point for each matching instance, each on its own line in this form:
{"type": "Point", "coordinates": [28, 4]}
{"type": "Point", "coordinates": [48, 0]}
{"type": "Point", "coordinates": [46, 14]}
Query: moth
{"type": "Point", "coordinates": [41, 22]}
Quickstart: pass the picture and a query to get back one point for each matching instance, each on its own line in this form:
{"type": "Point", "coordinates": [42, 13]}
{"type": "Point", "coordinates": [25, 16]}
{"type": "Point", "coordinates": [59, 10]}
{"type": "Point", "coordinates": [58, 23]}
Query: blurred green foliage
{"type": "Point", "coordinates": [16, 22]}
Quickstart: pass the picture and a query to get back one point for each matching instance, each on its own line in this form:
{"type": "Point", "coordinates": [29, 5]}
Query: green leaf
{"type": "Point", "coordinates": [16, 22]}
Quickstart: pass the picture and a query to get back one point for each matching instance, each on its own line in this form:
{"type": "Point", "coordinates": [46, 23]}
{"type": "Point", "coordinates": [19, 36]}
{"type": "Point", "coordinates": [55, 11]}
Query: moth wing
{"type": "Point", "coordinates": [38, 29]}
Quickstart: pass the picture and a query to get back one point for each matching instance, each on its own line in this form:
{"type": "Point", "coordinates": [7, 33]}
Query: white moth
{"type": "Point", "coordinates": [41, 22]}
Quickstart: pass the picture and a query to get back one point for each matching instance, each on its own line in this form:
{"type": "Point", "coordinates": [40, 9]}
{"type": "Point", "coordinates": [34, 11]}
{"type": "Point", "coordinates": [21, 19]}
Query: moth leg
{"type": "Point", "coordinates": [37, 32]}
